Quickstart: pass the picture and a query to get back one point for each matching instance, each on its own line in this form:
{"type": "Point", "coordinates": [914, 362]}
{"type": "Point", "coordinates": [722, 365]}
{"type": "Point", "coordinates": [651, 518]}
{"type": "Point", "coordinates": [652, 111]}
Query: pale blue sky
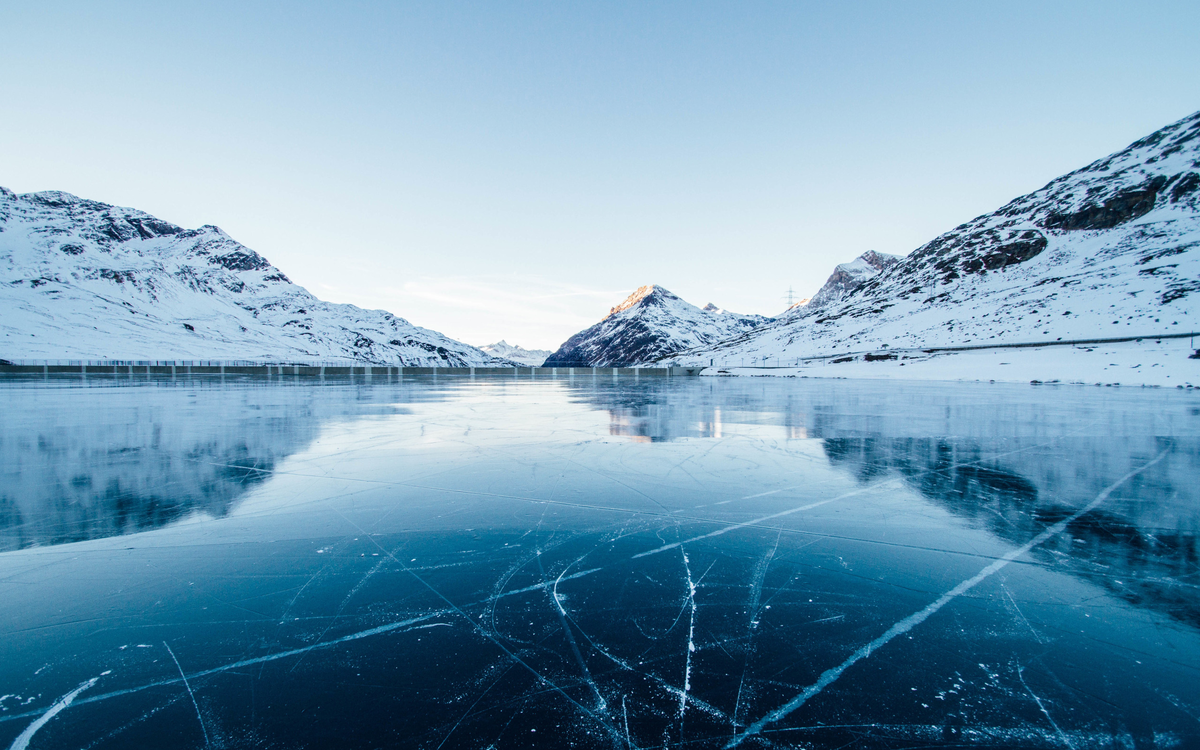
{"type": "Point", "coordinates": [512, 170]}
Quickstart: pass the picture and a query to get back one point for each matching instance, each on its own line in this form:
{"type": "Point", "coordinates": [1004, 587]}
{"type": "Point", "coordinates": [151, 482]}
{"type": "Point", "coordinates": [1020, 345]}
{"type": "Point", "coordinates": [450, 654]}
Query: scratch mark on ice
{"type": "Point", "coordinates": [760, 574]}
{"type": "Point", "coordinates": [188, 685]}
{"type": "Point", "coordinates": [543, 585]}
{"type": "Point", "coordinates": [22, 740]}
{"type": "Point", "coordinates": [390, 627]}
{"type": "Point", "coordinates": [601, 720]}
{"type": "Point", "coordinates": [467, 713]}
{"type": "Point", "coordinates": [1036, 635]}
{"type": "Point", "coordinates": [1042, 708]}
{"type": "Point", "coordinates": [691, 644]}
{"type": "Point", "coordinates": [625, 711]}
{"type": "Point", "coordinates": [908, 623]}
{"type": "Point", "coordinates": [754, 522]}
{"type": "Point", "coordinates": [670, 689]}
{"type": "Point", "coordinates": [601, 704]}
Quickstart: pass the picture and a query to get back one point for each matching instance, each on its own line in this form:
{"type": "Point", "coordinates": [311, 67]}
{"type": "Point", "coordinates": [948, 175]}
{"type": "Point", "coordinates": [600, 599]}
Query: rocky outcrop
{"type": "Point", "coordinates": [847, 277]}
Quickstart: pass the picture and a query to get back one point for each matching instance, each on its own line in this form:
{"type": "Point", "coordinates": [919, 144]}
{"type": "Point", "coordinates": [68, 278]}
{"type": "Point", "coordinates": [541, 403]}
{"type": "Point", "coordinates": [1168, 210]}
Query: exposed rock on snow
{"type": "Point", "coordinates": [80, 279]}
{"type": "Point", "coordinates": [1106, 251]}
{"type": "Point", "coordinates": [847, 277]}
{"type": "Point", "coordinates": [651, 323]}
{"type": "Point", "coordinates": [518, 354]}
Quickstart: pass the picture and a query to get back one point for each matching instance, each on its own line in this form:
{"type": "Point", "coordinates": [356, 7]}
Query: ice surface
{"type": "Point", "coordinates": [500, 562]}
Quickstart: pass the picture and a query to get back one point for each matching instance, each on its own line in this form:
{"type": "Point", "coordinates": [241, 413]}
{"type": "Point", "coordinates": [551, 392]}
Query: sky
{"type": "Point", "coordinates": [513, 170]}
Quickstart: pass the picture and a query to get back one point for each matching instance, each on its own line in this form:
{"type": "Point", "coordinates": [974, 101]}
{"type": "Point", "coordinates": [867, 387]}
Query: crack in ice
{"type": "Point", "coordinates": [908, 623]}
{"type": "Point", "coordinates": [191, 695]}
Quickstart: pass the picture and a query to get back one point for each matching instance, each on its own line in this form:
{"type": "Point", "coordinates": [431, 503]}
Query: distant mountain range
{"type": "Point", "coordinates": [80, 279]}
{"type": "Point", "coordinates": [1107, 251]}
{"type": "Point", "coordinates": [518, 354]}
{"type": "Point", "coordinates": [651, 323]}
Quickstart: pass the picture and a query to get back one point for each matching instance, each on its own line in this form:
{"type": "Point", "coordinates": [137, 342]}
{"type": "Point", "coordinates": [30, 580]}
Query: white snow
{"type": "Point", "coordinates": [1150, 362]}
{"type": "Point", "coordinates": [518, 354]}
{"type": "Point", "coordinates": [1108, 251]}
{"type": "Point", "coordinates": [85, 280]}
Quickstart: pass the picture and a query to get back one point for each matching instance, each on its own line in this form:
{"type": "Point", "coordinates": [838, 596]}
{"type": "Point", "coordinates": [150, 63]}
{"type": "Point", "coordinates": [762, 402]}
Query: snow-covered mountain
{"type": "Point", "coordinates": [1107, 251]}
{"type": "Point", "coordinates": [847, 277]}
{"type": "Point", "coordinates": [80, 279]}
{"type": "Point", "coordinates": [518, 354]}
{"type": "Point", "coordinates": [651, 323]}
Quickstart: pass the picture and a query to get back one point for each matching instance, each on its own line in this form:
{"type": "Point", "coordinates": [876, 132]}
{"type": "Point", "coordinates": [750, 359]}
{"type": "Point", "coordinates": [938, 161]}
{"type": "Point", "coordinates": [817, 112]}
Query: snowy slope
{"type": "Point", "coordinates": [649, 324]}
{"type": "Point", "coordinates": [1106, 251]}
{"type": "Point", "coordinates": [518, 354]}
{"type": "Point", "coordinates": [847, 277]}
{"type": "Point", "coordinates": [81, 279]}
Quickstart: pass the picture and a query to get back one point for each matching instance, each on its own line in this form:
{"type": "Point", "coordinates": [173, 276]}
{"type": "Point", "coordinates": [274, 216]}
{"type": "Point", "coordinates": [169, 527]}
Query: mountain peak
{"type": "Point", "coordinates": [651, 323]}
{"type": "Point", "coordinates": [515, 353]}
{"type": "Point", "coordinates": [650, 292]}
{"type": "Point", "coordinates": [847, 277]}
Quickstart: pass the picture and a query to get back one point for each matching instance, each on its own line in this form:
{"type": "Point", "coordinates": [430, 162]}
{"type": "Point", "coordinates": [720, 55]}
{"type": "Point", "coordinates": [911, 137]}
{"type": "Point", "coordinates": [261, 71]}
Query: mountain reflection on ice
{"type": "Point", "coordinates": [580, 562]}
{"type": "Point", "coordinates": [86, 463]}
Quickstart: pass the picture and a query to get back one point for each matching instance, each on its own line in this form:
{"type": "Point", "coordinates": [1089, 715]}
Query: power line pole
{"type": "Point", "coordinates": [791, 297]}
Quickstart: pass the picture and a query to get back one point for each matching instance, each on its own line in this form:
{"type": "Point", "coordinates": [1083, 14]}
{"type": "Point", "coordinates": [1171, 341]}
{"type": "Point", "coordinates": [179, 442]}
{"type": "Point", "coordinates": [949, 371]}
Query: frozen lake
{"type": "Point", "coordinates": [684, 562]}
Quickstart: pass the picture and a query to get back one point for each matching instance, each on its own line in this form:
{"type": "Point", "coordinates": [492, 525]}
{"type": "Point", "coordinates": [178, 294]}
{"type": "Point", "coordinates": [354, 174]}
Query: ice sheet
{"type": "Point", "coordinates": [692, 562]}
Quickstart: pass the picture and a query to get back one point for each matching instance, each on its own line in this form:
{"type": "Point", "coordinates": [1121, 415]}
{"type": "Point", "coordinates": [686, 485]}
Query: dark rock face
{"type": "Point", "coordinates": [451, 359]}
{"type": "Point", "coordinates": [123, 229]}
{"type": "Point", "coordinates": [1178, 290]}
{"type": "Point", "coordinates": [119, 277]}
{"type": "Point", "coordinates": [117, 231]}
{"type": "Point", "coordinates": [1125, 205]}
{"type": "Point", "coordinates": [150, 227]}
{"type": "Point", "coordinates": [953, 255]}
{"type": "Point", "coordinates": [243, 259]}
{"type": "Point", "coordinates": [633, 344]}
{"type": "Point", "coordinates": [1185, 186]}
